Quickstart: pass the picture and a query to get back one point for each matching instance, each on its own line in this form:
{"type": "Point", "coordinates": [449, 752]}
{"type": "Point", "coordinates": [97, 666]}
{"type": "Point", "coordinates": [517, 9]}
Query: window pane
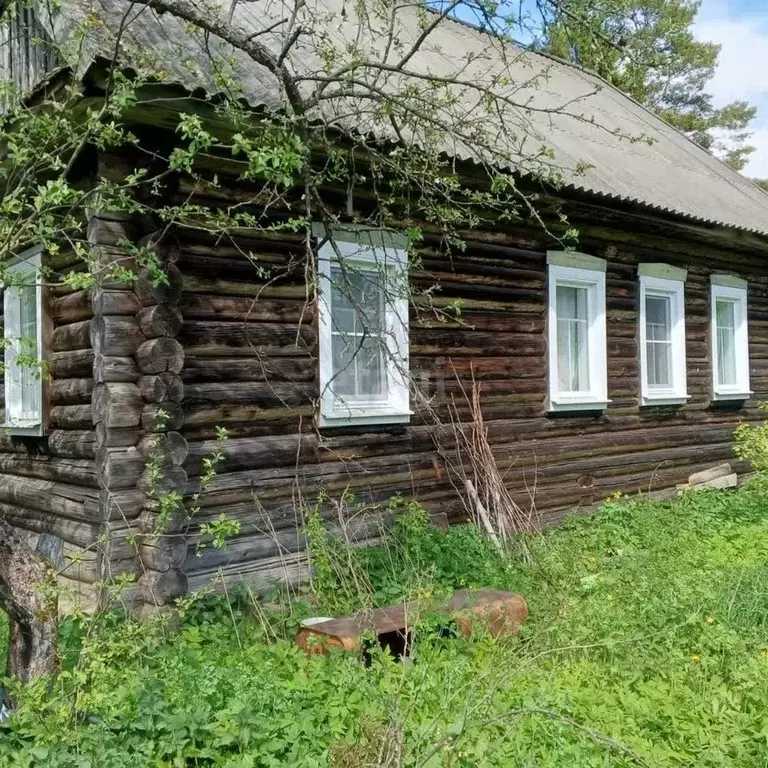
{"type": "Point", "coordinates": [357, 300]}
{"type": "Point", "coordinates": [659, 361]}
{"type": "Point", "coordinates": [343, 365]}
{"type": "Point", "coordinates": [28, 348]}
{"type": "Point", "coordinates": [369, 366]}
{"type": "Point", "coordinates": [658, 341]}
{"type": "Point", "coordinates": [725, 316]}
{"type": "Point", "coordinates": [358, 306]}
{"type": "Point", "coordinates": [658, 326]}
{"type": "Point", "coordinates": [572, 338]}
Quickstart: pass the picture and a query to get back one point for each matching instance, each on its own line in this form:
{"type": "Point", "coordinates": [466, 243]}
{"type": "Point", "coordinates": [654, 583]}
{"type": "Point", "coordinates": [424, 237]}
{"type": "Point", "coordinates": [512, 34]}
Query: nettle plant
{"type": "Point", "coordinates": [751, 443]}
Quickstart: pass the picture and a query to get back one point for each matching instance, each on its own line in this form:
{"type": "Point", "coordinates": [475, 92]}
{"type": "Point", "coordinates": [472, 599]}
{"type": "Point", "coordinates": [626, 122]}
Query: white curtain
{"type": "Point", "coordinates": [572, 338]}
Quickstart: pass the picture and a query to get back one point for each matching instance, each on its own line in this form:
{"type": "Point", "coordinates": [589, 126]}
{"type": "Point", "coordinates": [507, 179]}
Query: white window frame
{"type": "Point", "coordinates": [665, 281]}
{"type": "Point", "coordinates": [26, 424]}
{"type": "Point", "coordinates": [733, 289]}
{"type": "Point", "coordinates": [579, 270]}
{"type": "Point", "coordinates": [379, 251]}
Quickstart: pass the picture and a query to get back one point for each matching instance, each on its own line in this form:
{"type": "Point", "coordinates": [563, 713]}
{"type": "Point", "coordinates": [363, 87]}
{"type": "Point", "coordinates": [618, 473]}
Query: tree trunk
{"type": "Point", "coordinates": [33, 613]}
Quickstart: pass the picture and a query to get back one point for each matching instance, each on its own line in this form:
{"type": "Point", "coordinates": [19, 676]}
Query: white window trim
{"type": "Point", "coordinates": [29, 261]}
{"type": "Point", "coordinates": [581, 271]}
{"type": "Point", "coordinates": [734, 290]}
{"type": "Point", "coordinates": [651, 285]}
{"type": "Point", "coordinates": [375, 250]}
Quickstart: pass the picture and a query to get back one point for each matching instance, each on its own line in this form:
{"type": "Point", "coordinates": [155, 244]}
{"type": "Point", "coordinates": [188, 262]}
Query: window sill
{"type": "Point", "coordinates": [719, 396]}
{"type": "Point", "coordinates": [354, 417]}
{"type": "Point", "coordinates": [651, 400]}
{"type": "Point", "coordinates": [23, 428]}
{"type": "Point", "coordinates": [577, 405]}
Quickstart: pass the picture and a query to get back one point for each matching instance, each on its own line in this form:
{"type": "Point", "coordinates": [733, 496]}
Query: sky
{"type": "Point", "coordinates": [741, 28]}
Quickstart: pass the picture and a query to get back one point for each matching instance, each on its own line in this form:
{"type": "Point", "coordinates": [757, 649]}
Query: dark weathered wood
{"type": "Point", "coordinates": [177, 521]}
{"type": "Point", "coordinates": [62, 499]}
{"type": "Point", "coordinates": [260, 575]}
{"type": "Point", "coordinates": [115, 437]}
{"type": "Point", "coordinates": [151, 292]}
{"type": "Point", "coordinates": [107, 229]}
{"type": "Point", "coordinates": [66, 365]}
{"type": "Point", "coordinates": [119, 468]}
{"type": "Point", "coordinates": [108, 368]}
{"type": "Point", "coordinates": [197, 306]}
{"type": "Point", "coordinates": [117, 405]}
{"type": "Point", "coordinates": [249, 287]}
{"type": "Point", "coordinates": [71, 417]}
{"type": "Point", "coordinates": [161, 417]}
{"type": "Point", "coordinates": [229, 369]}
{"type": "Point", "coordinates": [67, 338]}
{"type": "Point", "coordinates": [164, 552]}
{"type": "Point", "coordinates": [71, 391]}
{"type": "Point", "coordinates": [220, 415]}
{"type": "Point", "coordinates": [169, 447]}
{"type": "Point", "coordinates": [224, 339]}
{"type": "Point", "coordinates": [119, 505]}
{"type": "Point", "coordinates": [82, 533]}
{"type": "Point", "coordinates": [106, 302]}
{"type": "Point", "coordinates": [160, 356]}
{"type": "Point", "coordinates": [72, 307]}
{"type": "Point", "coordinates": [45, 467]}
{"type": "Point", "coordinates": [160, 320]}
{"type": "Point", "coordinates": [267, 395]}
{"type": "Point", "coordinates": [171, 480]}
{"type": "Point", "coordinates": [116, 335]}
{"type": "Point", "coordinates": [245, 357]}
{"type": "Point", "coordinates": [118, 543]}
{"type": "Point", "coordinates": [162, 587]}
{"type": "Point", "coordinates": [161, 388]}
{"type": "Point", "coordinates": [253, 453]}
{"type": "Point", "coordinates": [71, 443]}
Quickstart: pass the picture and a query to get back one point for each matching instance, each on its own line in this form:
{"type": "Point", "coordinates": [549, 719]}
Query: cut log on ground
{"type": "Point", "coordinates": [500, 613]}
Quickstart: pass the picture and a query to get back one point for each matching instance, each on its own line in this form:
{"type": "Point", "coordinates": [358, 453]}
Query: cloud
{"type": "Point", "coordinates": [741, 72]}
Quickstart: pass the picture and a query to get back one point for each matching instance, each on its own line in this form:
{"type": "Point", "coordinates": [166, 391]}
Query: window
{"type": "Point", "coordinates": [730, 344]}
{"type": "Point", "coordinates": [577, 354]}
{"type": "Point", "coordinates": [363, 327]}
{"type": "Point", "coordinates": [662, 335]}
{"type": "Point", "coordinates": [22, 308]}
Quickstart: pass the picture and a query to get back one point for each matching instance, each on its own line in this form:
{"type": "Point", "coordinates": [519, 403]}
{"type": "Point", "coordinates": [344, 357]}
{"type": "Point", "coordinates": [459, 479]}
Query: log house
{"type": "Point", "coordinates": [621, 368]}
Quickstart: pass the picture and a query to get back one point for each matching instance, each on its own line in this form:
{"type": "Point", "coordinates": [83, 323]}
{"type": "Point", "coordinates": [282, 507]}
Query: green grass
{"type": "Point", "coordinates": [647, 645]}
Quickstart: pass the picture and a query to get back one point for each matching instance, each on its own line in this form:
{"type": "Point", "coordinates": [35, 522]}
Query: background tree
{"type": "Point", "coordinates": [647, 49]}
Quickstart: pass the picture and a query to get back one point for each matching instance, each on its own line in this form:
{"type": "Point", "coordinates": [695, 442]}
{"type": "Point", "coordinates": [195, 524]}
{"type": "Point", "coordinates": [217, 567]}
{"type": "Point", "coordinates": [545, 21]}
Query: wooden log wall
{"type": "Point", "coordinates": [160, 359]}
{"type": "Point", "coordinates": [116, 403]}
{"type": "Point", "coordinates": [49, 485]}
{"type": "Point", "coordinates": [250, 365]}
{"type": "Point", "coordinates": [135, 405]}
{"type": "Point", "coordinates": [85, 482]}
{"type": "Point", "coordinates": [231, 341]}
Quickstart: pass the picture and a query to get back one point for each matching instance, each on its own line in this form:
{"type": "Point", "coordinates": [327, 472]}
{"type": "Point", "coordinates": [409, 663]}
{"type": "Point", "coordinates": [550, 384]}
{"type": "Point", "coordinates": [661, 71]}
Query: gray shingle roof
{"type": "Point", "coordinates": [588, 125]}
